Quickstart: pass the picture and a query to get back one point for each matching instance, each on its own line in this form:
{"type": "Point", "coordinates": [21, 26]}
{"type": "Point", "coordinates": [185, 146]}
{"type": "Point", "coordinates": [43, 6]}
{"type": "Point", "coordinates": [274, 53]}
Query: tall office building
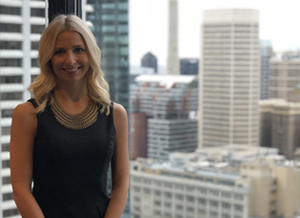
{"type": "Point", "coordinates": [266, 54]}
{"type": "Point", "coordinates": [21, 23]}
{"type": "Point", "coordinates": [229, 80]}
{"type": "Point", "coordinates": [284, 74]}
{"type": "Point", "coordinates": [167, 101]}
{"type": "Point", "coordinates": [189, 66]}
{"type": "Point", "coordinates": [280, 126]}
{"type": "Point", "coordinates": [149, 60]}
{"type": "Point", "coordinates": [173, 61]}
{"type": "Point", "coordinates": [110, 27]}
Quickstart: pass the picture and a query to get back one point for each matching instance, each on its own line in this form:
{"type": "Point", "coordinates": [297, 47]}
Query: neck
{"type": "Point", "coordinates": [71, 92]}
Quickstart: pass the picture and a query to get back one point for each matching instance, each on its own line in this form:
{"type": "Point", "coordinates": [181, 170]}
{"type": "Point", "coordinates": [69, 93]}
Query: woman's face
{"type": "Point", "coordinates": [70, 60]}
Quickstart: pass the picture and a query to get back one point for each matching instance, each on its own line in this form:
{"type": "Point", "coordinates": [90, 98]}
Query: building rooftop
{"type": "Point", "coordinates": [166, 80]}
{"type": "Point", "coordinates": [222, 163]}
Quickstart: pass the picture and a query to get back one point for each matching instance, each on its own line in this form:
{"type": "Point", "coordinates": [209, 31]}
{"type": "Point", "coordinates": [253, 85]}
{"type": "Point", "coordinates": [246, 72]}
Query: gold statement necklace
{"type": "Point", "coordinates": [75, 121]}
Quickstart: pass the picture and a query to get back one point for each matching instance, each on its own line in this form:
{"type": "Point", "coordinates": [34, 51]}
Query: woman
{"type": "Point", "coordinates": [64, 139]}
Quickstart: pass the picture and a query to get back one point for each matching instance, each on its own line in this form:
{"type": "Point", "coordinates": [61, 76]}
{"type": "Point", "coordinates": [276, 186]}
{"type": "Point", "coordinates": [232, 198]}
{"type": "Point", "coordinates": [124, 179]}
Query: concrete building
{"type": "Point", "coordinates": [266, 54]}
{"type": "Point", "coordinates": [235, 181]}
{"type": "Point", "coordinates": [284, 74]}
{"type": "Point", "coordinates": [295, 95]}
{"type": "Point", "coordinates": [280, 126]}
{"type": "Point", "coordinates": [189, 66]}
{"type": "Point", "coordinates": [229, 80]}
{"type": "Point", "coordinates": [110, 27]}
{"type": "Point", "coordinates": [173, 61]}
{"type": "Point", "coordinates": [149, 60]}
{"type": "Point", "coordinates": [138, 135]}
{"type": "Point", "coordinates": [168, 102]}
{"type": "Point", "coordinates": [21, 23]}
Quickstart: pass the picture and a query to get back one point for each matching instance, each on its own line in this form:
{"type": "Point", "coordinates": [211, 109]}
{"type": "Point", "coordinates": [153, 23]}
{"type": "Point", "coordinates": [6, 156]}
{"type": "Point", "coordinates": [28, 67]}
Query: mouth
{"type": "Point", "coordinates": [71, 70]}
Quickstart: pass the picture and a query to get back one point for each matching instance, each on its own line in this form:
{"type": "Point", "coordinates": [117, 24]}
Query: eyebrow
{"type": "Point", "coordinates": [76, 46]}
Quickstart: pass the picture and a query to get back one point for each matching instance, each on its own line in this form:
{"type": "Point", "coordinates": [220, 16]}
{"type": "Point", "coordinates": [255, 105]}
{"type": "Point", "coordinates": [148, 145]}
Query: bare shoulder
{"type": "Point", "coordinates": [120, 115]}
{"type": "Point", "coordinates": [23, 110]}
{"type": "Point", "coordinates": [24, 113]}
{"type": "Point", "coordinates": [119, 110]}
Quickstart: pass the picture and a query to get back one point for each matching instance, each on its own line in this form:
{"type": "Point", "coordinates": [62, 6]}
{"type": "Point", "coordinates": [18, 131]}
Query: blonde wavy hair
{"type": "Point", "coordinates": [43, 85]}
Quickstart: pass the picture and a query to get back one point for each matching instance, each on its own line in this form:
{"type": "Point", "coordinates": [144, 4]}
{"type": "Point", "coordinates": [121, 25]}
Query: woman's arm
{"type": "Point", "coordinates": [119, 165]}
{"type": "Point", "coordinates": [23, 129]}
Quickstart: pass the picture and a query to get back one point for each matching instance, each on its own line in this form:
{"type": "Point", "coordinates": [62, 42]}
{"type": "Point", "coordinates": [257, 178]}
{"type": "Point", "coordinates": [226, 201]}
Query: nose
{"type": "Point", "coordinates": [70, 58]}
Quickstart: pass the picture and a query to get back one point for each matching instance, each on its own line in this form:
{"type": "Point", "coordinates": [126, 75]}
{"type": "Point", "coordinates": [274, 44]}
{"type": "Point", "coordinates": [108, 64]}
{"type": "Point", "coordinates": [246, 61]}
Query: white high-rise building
{"type": "Point", "coordinates": [173, 61]}
{"type": "Point", "coordinates": [21, 23]}
{"type": "Point", "coordinates": [229, 78]}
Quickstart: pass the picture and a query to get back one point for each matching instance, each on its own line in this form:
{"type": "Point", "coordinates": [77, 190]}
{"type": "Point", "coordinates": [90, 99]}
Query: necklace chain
{"type": "Point", "coordinates": [75, 121]}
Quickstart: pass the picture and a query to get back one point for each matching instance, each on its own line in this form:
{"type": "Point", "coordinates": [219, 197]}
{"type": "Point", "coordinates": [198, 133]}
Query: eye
{"type": "Point", "coordinates": [78, 50]}
{"type": "Point", "coordinates": [58, 52]}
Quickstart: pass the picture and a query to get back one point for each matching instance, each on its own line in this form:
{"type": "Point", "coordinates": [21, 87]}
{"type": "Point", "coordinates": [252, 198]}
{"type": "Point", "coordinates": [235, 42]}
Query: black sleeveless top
{"type": "Point", "coordinates": [70, 166]}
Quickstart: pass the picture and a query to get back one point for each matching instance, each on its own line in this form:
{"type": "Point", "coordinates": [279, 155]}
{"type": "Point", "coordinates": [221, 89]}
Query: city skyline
{"type": "Point", "coordinates": [148, 25]}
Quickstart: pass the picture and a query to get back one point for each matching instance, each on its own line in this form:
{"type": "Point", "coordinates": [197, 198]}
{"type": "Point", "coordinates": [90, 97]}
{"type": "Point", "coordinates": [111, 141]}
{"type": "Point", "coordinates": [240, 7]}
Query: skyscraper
{"type": "Point", "coordinates": [280, 125]}
{"type": "Point", "coordinates": [229, 81]}
{"type": "Point", "coordinates": [173, 61]}
{"type": "Point", "coordinates": [149, 60]}
{"type": "Point", "coordinates": [189, 66]}
{"type": "Point", "coordinates": [167, 101]}
{"type": "Point", "coordinates": [110, 27]}
{"type": "Point", "coordinates": [284, 74]}
{"type": "Point", "coordinates": [21, 23]}
{"type": "Point", "coordinates": [266, 54]}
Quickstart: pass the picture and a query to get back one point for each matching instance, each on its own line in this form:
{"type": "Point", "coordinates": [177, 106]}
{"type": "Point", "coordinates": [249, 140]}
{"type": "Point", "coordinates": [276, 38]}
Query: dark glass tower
{"type": "Point", "coordinates": [149, 60]}
{"type": "Point", "coordinates": [110, 27]}
{"type": "Point", "coordinates": [189, 66]}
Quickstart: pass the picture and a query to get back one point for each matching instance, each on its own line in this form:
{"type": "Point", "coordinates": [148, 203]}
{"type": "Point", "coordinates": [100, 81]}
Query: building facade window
{"type": "Point", "coordinates": [10, 28]}
{"type": "Point", "coordinates": [10, 10]}
{"type": "Point", "coordinates": [10, 62]}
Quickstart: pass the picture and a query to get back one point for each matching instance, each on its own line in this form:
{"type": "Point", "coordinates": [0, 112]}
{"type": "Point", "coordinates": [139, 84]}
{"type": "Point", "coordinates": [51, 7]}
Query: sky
{"type": "Point", "coordinates": [148, 25]}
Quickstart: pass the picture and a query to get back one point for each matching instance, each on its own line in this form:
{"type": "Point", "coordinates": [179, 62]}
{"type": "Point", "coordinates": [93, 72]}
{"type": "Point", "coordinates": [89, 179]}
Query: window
{"type": "Point", "coordinates": [157, 203]}
{"type": "Point", "coordinates": [34, 45]}
{"type": "Point", "coordinates": [213, 203]}
{"type": "Point", "coordinates": [238, 207]}
{"type": "Point", "coordinates": [5, 130]}
{"type": "Point", "coordinates": [5, 147]}
{"type": "Point", "coordinates": [34, 63]}
{"type": "Point", "coordinates": [10, 62]}
{"type": "Point", "coordinates": [37, 29]}
{"type": "Point", "coordinates": [11, 212]}
{"type": "Point", "coordinates": [108, 28]}
{"type": "Point", "coordinates": [123, 6]}
{"type": "Point", "coordinates": [37, 12]}
{"type": "Point", "coordinates": [10, 10]}
{"type": "Point", "coordinates": [33, 77]}
{"type": "Point", "coordinates": [11, 45]}
{"type": "Point", "coordinates": [7, 113]}
{"type": "Point", "coordinates": [6, 180]}
{"type": "Point", "coordinates": [10, 79]}
{"type": "Point", "coordinates": [108, 17]}
{"type": "Point", "coordinates": [108, 5]}
{"type": "Point", "coordinates": [5, 164]}
{"type": "Point", "coordinates": [11, 96]}
{"type": "Point", "coordinates": [201, 201]}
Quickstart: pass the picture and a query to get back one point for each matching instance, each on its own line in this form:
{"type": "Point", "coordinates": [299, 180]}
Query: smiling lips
{"type": "Point", "coordinates": [71, 70]}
